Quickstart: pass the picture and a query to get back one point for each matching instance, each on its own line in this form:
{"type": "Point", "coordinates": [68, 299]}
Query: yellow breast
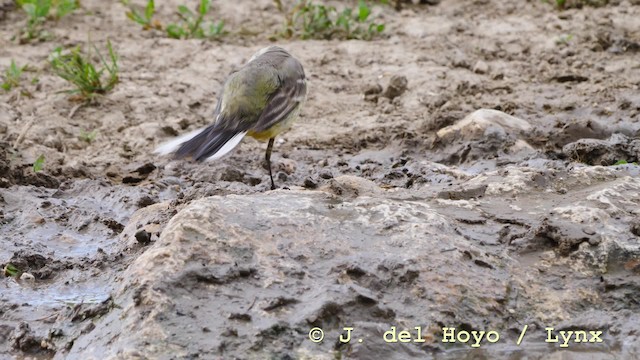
{"type": "Point", "coordinates": [278, 128]}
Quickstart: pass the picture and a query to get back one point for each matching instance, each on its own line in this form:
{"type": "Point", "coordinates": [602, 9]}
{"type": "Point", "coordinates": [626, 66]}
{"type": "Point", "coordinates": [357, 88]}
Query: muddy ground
{"type": "Point", "coordinates": [397, 208]}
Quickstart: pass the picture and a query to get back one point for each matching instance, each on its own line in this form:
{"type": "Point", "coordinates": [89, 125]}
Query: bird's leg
{"type": "Point", "coordinates": [268, 158]}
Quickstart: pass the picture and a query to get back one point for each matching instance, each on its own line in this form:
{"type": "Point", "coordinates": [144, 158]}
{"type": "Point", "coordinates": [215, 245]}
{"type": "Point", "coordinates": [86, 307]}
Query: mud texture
{"type": "Point", "coordinates": [475, 168]}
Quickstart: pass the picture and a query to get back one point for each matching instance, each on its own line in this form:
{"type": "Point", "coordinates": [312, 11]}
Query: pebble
{"type": "Point", "coordinates": [143, 237]}
{"type": "Point", "coordinates": [397, 86]}
{"type": "Point", "coordinates": [287, 165]}
{"type": "Point", "coordinates": [27, 277]}
{"type": "Point", "coordinates": [481, 67]}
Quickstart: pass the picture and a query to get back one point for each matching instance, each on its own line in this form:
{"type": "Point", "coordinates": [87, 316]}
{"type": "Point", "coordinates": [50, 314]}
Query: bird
{"type": "Point", "coordinates": [262, 99]}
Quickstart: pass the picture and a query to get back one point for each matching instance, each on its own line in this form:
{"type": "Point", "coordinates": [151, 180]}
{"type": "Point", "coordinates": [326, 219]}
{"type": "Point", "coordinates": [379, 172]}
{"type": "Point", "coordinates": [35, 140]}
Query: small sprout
{"type": "Point", "coordinates": [88, 136]}
{"type": "Point", "coordinates": [193, 25]}
{"type": "Point", "coordinates": [313, 21]}
{"type": "Point", "coordinates": [38, 11]}
{"type": "Point", "coordinates": [12, 76]}
{"type": "Point", "coordinates": [624, 162]}
{"type": "Point", "coordinates": [145, 19]}
{"type": "Point", "coordinates": [564, 39]}
{"type": "Point", "coordinates": [11, 270]}
{"type": "Point", "coordinates": [78, 69]}
{"type": "Point", "coordinates": [64, 7]}
{"type": "Point", "coordinates": [38, 165]}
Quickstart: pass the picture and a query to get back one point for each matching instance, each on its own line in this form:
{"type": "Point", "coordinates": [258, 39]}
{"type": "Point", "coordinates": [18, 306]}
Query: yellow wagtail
{"type": "Point", "coordinates": [261, 100]}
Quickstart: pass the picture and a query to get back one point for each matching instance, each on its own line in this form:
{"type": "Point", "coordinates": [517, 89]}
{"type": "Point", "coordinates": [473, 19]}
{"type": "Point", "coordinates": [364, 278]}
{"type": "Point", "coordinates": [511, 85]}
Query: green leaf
{"type": "Point", "coordinates": [14, 70]}
{"type": "Point", "coordinates": [363, 11]}
{"type": "Point", "coordinates": [42, 8]}
{"type": "Point", "coordinates": [88, 136]}
{"type": "Point", "coordinates": [133, 15]}
{"type": "Point", "coordinates": [174, 31]}
{"type": "Point", "coordinates": [204, 7]}
{"type": "Point", "coordinates": [185, 12]}
{"type": "Point", "coordinates": [216, 29]}
{"type": "Point", "coordinates": [11, 270]}
{"type": "Point", "coordinates": [12, 76]}
{"type": "Point", "coordinates": [65, 7]}
{"type": "Point", "coordinates": [149, 10]}
{"type": "Point", "coordinates": [380, 28]}
{"type": "Point", "coordinates": [30, 9]}
{"type": "Point", "coordinates": [621, 162]}
{"type": "Point", "coordinates": [39, 163]}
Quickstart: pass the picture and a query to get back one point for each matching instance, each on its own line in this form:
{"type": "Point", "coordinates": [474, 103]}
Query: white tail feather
{"type": "Point", "coordinates": [232, 143]}
{"type": "Point", "coordinates": [173, 145]}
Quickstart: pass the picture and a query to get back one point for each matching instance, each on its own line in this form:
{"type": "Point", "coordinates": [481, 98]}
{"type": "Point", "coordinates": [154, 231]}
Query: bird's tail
{"type": "Point", "coordinates": [203, 144]}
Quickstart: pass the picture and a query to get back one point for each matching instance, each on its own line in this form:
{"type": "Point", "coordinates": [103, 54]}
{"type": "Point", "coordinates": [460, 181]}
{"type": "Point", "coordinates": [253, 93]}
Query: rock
{"type": "Point", "coordinates": [150, 219]}
{"type": "Point", "coordinates": [604, 152]}
{"type": "Point", "coordinates": [397, 86]}
{"type": "Point", "coordinates": [27, 277]}
{"type": "Point", "coordinates": [464, 193]}
{"type": "Point", "coordinates": [460, 60]}
{"type": "Point", "coordinates": [326, 174]}
{"type": "Point", "coordinates": [351, 186]}
{"type": "Point", "coordinates": [360, 255]}
{"type": "Point", "coordinates": [310, 184]}
{"type": "Point", "coordinates": [484, 134]}
{"type": "Point", "coordinates": [372, 89]}
{"type": "Point", "coordinates": [476, 124]}
{"type": "Point", "coordinates": [372, 92]}
{"type": "Point", "coordinates": [578, 129]}
{"type": "Point", "coordinates": [218, 248]}
{"type": "Point", "coordinates": [146, 200]}
{"type": "Point", "coordinates": [570, 78]}
{"type": "Point", "coordinates": [567, 235]}
{"type": "Point", "coordinates": [288, 166]}
{"type": "Point", "coordinates": [143, 237]}
{"type": "Point", "coordinates": [231, 174]}
{"type": "Point", "coordinates": [481, 67]}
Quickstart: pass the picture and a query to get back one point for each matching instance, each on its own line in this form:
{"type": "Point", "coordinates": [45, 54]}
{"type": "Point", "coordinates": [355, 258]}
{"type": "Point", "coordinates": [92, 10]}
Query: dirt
{"type": "Point", "coordinates": [475, 168]}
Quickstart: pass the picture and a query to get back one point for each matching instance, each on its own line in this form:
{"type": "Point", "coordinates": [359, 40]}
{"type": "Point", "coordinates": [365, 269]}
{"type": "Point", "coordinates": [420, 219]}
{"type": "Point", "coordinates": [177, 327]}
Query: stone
{"type": "Point", "coordinates": [481, 67]}
{"type": "Point", "coordinates": [396, 87]}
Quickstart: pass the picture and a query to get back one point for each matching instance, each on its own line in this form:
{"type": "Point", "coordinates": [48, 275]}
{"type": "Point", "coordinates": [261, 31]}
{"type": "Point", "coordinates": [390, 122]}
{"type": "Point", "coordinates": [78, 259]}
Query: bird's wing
{"type": "Point", "coordinates": [287, 97]}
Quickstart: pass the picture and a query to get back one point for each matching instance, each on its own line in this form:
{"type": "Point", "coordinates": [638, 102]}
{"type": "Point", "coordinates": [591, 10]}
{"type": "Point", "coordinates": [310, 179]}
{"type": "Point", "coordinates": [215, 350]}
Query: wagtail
{"type": "Point", "coordinates": [262, 99]}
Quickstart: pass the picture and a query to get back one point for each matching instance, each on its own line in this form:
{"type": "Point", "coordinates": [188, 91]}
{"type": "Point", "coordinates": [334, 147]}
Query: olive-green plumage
{"type": "Point", "coordinates": [246, 94]}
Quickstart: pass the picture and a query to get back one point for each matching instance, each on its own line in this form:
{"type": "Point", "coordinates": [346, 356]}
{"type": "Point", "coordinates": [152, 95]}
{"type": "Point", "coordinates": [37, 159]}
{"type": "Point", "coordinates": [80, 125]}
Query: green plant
{"type": "Point", "coordinates": [11, 270]}
{"type": "Point", "coordinates": [38, 165]}
{"type": "Point", "coordinates": [88, 136]}
{"type": "Point", "coordinates": [78, 69]}
{"type": "Point", "coordinates": [308, 20]}
{"type": "Point", "coordinates": [624, 162]}
{"type": "Point", "coordinates": [193, 24]}
{"type": "Point", "coordinates": [38, 11]}
{"type": "Point", "coordinates": [12, 76]}
{"type": "Point", "coordinates": [145, 19]}
{"type": "Point", "coordinates": [564, 39]}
